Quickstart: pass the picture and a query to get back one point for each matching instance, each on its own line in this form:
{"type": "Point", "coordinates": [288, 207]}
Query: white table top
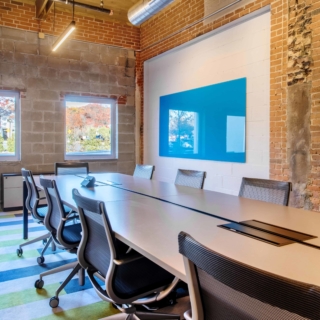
{"type": "Point", "coordinates": [224, 205]}
{"type": "Point", "coordinates": [151, 227]}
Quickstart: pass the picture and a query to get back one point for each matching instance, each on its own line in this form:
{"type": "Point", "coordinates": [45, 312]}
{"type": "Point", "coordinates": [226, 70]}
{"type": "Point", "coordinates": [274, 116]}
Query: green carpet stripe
{"type": "Point", "coordinates": [13, 256]}
{"type": "Point", "coordinates": [8, 216]}
{"type": "Point", "coordinates": [92, 311]}
{"type": "Point", "coordinates": [9, 232]}
{"type": "Point", "coordinates": [26, 296]}
{"type": "Point", "coordinates": [15, 242]}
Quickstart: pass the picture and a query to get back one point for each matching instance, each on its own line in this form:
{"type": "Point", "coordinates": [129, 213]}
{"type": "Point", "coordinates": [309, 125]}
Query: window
{"type": "Point", "coordinates": [9, 125]}
{"type": "Point", "coordinates": [91, 129]}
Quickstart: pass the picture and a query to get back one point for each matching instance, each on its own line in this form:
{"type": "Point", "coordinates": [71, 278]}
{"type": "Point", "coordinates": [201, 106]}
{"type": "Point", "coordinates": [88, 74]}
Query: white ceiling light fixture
{"type": "Point", "coordinates": [66, 33]}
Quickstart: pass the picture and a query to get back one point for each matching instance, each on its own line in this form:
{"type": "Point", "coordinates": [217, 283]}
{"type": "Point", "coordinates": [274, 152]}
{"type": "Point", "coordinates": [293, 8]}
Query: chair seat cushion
{"type": "Point", "coordinates": [42, 211]}
{"type": "Point", "coordinates": [72, 233]}
{"type": "Point", "coordinates": [138, 277]}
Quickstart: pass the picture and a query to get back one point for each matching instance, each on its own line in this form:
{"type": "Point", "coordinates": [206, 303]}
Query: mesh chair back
{"type": "Point", "coordinates": [233, 290]}
{"type": "Point", "coordinates": [32, 201]}
{"type": "Point", "coordinates": [56, 212]}
{"type": "Point", "coordinates": [190, 178]}
{"type": "Point", "coordinates": [143, 171]}
{"type": "Point", "coordinates": [97, 245]}
{"type": "Point", "coordinates": [265, 190]}
{"type": "Point", "coordinates": [62, 168]}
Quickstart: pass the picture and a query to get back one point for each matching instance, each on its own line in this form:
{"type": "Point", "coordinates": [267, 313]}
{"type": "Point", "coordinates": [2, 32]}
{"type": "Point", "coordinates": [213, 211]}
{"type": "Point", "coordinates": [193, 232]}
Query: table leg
{"type": "Point", "coordinates": [25, 210]}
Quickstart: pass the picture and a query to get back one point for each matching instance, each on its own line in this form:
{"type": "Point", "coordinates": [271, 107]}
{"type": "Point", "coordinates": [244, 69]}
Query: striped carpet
{"type": "Point", "coordinates": [19, 299]}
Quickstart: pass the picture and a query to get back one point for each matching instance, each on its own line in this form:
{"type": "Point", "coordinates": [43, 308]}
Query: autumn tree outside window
{"type": "Point", "coordinates": [90, 128]}
{"type": "Point", "coordinates": [9, 125]}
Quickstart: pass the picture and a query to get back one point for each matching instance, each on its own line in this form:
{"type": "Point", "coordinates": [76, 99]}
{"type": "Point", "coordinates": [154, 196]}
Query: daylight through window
{"type": "Point", "coordinates": [9, 125]}
{"type": "Point", "coordinates": [90, 128]}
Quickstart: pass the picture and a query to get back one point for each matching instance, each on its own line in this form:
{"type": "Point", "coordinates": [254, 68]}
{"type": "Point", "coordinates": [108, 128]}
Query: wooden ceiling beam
{"type": "Point", "coordinates": [42, 8]}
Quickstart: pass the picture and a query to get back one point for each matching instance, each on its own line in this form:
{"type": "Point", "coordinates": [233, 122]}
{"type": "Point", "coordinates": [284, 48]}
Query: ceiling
{"type": "Point", "coordinates": [120, 9]}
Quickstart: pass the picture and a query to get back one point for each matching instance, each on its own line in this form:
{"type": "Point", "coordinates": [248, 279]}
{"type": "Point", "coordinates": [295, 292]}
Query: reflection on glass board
{"type": "Point", "coordinates": [182, 132]}
{"type": "Point", "coordinates": [236, 128]}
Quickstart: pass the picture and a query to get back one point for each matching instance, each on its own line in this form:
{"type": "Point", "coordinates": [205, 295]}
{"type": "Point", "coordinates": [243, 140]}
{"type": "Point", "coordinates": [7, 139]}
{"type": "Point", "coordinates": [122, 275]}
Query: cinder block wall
{"type": "Point", "coordinates": [44, 78]}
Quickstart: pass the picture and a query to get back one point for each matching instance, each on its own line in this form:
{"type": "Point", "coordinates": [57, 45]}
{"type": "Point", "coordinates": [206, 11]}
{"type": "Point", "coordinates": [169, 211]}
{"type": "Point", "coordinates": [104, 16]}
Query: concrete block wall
{"type": "Point", "coordinates": [44, 78]}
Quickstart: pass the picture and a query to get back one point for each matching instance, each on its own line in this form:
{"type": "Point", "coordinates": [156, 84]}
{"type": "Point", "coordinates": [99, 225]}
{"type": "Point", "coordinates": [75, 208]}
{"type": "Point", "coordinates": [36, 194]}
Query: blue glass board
{"type": "Point", "coordinates": [206, 123]}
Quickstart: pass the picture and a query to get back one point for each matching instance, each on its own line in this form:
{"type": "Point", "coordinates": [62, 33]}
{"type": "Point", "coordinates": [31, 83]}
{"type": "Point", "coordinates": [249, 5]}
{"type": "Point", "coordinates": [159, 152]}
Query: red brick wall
{"type": "Point", "coordinates": [22, 16]}
{"type": "Point", "coordinates": [278, 90]}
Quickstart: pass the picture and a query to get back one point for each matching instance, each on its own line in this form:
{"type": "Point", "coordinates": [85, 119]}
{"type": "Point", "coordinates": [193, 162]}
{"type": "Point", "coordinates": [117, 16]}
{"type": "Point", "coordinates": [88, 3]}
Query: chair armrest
{"type": "Point", "coordinates": [69, 215]}
{"type": "Point", "coordinates": [128, 258]}
{"type": "Point", "coordinates": [187, 315]}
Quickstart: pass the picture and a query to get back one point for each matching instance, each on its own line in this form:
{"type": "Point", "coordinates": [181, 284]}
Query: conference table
{"type": "Point", "coordinates": [148, 215]}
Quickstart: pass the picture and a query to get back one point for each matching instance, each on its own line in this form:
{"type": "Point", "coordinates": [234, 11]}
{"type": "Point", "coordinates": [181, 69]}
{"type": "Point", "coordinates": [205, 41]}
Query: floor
{"type": "Point", "coordinates": [18, 297]}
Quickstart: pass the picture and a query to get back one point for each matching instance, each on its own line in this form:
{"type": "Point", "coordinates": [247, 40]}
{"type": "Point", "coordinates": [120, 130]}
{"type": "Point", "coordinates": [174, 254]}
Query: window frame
{"type": "Point", "coordinates": [17, 126]}
{"type": "Point", "coordinates": [114, 128]}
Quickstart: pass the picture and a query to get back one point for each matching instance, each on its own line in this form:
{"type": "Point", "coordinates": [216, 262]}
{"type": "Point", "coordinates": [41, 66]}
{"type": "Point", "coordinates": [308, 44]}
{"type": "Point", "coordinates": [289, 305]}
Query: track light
{"type": "Point", "coordinates": [64, 35]}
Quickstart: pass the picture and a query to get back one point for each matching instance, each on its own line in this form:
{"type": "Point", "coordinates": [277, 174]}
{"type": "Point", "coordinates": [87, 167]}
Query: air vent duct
{"type": "Point", "coordinates": [145, 9]}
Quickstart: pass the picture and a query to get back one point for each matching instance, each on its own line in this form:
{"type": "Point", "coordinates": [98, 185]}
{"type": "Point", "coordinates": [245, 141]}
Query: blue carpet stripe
{"type": "Point", "coordinates": [49, 251]}
{"type": "Point", "coordinates": [31, 271]}
{"type": "Point", "coordinates": [73, 285]}
{"type": "Point", "coordinates": [11, 223]}
{"type": "Point", "coordinates": [40, 228]}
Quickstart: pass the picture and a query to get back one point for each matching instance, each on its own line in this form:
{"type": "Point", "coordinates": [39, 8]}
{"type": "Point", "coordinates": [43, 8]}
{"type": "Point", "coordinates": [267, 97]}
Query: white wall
{"type": "Point", "coordinates": [240, 49]}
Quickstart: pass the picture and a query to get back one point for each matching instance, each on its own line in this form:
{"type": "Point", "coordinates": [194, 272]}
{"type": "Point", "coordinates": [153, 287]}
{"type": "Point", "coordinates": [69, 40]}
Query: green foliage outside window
{"type": "Point", "coordinates": [88, 128]}
{"type": "Point", "coordinates": [1, 144]}
{"type": "Point", "coordinates": [11, 144]}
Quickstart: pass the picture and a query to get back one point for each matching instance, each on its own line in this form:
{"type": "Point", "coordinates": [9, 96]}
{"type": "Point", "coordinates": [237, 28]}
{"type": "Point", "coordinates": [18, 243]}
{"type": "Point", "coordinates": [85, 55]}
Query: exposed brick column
{"type": "Point", "coordinates": [314, 179]}
{"type": "Point", "coordinates": [278, 92]}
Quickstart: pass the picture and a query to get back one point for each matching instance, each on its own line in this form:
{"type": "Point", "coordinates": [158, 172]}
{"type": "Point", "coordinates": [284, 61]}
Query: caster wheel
{"type": "Point", "coordinates": [54, 302]}
{"type": "Point", "coordinates": [44, 241]}
{"type": "Point", "coordinates": [40, 260]}
{"type": "Point", "coordinates": [19, 252]}
{"type": "Point", "coordinates": [39, 284]}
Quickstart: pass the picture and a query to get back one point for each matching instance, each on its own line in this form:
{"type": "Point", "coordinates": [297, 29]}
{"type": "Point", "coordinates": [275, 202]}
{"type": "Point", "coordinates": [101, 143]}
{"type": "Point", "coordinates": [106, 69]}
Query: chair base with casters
{"type": "Point", "coordinates": [46, 239]}
{"type": "Point", "coordinates": [54, 301]}
{"type": "Point", "coordinates": [129, 312]}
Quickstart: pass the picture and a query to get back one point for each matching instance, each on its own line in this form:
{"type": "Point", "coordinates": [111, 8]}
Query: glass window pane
{"type": "Point", "coordinates": [88, 128]}
{"type": "Point", "coordinates": [7, 126]}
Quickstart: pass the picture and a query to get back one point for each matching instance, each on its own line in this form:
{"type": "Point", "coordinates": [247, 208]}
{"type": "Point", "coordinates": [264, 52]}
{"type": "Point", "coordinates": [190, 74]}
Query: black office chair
{"type": "Point", "coordinates": [38, 212]}
{"type": "Point", "coordinates": [265, 190]}
{"type": "Point", "coordinates": [129, 276]}
{"type": "Point", "coordinates": [61, 168]}
{"type": "Point", "coordinates": [143, 171]}
{"type": "Point", "coordinates": [222, 288]}
{"type": "Point", "coordinates": [190, 178]}
{"type": "Point", "coordinates": [65, 233]}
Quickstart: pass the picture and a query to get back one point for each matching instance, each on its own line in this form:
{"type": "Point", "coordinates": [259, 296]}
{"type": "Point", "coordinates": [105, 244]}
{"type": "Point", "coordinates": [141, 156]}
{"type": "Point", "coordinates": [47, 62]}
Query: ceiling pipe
{"type": "Point", "coordinates": [86, 6]}
{"type": "Point", "coordinates": [145, 9]}
{"type": "Point", "coordinates": [189, 26]}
